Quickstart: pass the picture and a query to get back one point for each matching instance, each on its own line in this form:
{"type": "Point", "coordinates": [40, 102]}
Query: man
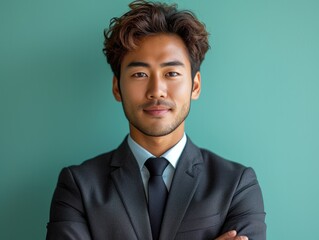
{"type": "Point", "coordinates": [155, 52]}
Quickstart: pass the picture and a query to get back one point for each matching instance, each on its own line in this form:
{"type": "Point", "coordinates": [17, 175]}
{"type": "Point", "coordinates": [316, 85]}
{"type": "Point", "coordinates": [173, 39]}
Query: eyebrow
{"type": "Point", "coordinates": [172, 63]}
{"type": "Point", "coordinates": [165, 64]}
{"type": "Point", "coordinates": [137, 64]}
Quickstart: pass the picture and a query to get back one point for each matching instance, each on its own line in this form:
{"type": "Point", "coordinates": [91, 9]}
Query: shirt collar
{"type": "Point", "coordinates": [141, 154]}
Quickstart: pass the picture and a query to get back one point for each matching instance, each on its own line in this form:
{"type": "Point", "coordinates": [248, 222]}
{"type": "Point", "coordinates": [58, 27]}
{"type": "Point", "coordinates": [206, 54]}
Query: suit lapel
{"type": "Point", "coordinates": [128, 182]}
{"type": "Point", "coordinates": [183, 187]}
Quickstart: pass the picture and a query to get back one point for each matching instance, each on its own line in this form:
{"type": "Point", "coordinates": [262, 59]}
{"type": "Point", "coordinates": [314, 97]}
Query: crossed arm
{"type": "Point", "coordinates": [247, 187]}
{"type": "Point", "coordinates": [231, 235]}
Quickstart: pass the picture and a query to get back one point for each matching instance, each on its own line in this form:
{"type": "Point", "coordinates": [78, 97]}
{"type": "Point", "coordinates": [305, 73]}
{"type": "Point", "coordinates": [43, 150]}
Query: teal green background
{"type": "Point", "coordinates": [259, 103]}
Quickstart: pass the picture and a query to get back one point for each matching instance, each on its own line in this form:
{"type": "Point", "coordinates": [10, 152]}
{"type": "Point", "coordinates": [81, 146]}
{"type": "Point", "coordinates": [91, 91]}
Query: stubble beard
{"type": "Point", "coordinates": [157, 131]}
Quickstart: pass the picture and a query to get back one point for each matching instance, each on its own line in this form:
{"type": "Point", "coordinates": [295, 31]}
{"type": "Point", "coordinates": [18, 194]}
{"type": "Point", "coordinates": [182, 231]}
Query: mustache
{"type": "Point", "coordinates": [158, 102]}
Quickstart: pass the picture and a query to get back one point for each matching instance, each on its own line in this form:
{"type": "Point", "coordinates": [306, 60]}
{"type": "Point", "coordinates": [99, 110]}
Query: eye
{"type": "Point", "coordinates": [139, 75]}
{"type": "Point", "coordinates": [172, 74]}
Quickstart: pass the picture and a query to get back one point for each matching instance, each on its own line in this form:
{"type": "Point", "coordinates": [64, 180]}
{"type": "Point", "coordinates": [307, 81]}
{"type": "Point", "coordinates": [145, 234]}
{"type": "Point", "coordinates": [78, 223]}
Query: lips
{"type": "Point", "coordinates": [158, 108]}
{"type": "Point", "coordinates": [156, 111]}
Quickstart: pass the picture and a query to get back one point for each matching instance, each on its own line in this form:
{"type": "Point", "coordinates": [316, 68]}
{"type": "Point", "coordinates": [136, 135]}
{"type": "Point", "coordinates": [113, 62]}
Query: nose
{"type": "Point", "coordinates": [156, 88]}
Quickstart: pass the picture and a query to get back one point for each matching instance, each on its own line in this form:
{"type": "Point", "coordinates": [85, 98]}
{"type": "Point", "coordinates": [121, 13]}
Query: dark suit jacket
{"type": "Point", "coordinates": [104, 199]}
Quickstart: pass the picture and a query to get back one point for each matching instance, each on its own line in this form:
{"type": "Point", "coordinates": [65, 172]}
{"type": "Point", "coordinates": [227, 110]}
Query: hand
{"type": "Point", "coordinates": [231, 235]}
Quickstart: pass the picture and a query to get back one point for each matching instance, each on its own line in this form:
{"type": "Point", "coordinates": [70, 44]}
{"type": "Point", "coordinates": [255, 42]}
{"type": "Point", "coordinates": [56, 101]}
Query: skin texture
{"type": "Point", "coordinates": [156, 89]}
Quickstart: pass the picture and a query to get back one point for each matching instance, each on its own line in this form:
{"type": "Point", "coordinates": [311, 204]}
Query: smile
{"type": "Point", "coordinates": [157, 111]}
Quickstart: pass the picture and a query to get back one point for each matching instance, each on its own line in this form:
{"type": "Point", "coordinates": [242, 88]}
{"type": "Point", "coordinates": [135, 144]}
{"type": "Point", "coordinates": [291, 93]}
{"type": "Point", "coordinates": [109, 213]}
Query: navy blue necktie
{"type": "Point", "coordinates": [157, 193]}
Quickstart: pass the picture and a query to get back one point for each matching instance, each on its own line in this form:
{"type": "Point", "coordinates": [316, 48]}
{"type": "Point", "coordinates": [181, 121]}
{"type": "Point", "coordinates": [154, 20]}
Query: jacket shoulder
{"type": "Point", "coordinates": [214, 160]}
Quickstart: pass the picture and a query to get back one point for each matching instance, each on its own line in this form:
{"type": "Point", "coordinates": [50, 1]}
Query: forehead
{"type": "Point", "coordinates": [158, 49]}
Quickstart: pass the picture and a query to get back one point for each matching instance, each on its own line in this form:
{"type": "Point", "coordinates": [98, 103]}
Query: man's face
{"type": "Point", "coordinates": [156, 86]}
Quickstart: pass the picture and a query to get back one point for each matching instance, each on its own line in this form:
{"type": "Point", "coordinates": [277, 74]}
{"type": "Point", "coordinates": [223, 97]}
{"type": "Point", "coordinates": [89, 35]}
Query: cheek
{"type": "Point", "coordinates": [131, 92]}
{"type": "Point", "coordinates": [182, 91]}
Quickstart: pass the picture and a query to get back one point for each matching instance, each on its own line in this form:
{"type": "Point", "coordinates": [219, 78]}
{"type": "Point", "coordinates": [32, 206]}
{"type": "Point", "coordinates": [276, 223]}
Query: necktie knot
{"type": "Point", "coordinates": [156, 166]}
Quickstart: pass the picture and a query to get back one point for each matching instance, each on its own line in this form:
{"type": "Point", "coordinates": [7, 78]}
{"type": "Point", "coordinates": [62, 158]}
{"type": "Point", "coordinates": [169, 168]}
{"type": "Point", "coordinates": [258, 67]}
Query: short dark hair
{"type": "Point", "coordinates": [150, 18]}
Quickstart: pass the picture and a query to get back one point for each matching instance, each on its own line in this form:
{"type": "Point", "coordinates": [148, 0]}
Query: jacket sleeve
{"type": "Point", "coordinates": [67, 214]}
{"type": "Point", "coordinates": [246, 214]}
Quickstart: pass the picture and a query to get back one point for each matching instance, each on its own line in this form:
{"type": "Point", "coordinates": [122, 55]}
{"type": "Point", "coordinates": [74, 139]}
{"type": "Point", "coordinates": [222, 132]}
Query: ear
{"type": "Point", "coordinates": [196, 86]}
{"type": "Point", "coordinates": [115, 89]}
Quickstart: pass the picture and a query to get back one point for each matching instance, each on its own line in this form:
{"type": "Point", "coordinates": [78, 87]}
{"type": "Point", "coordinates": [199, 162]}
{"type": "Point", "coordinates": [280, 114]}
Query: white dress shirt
{"type": "Point", "coordinates": [172, 155]}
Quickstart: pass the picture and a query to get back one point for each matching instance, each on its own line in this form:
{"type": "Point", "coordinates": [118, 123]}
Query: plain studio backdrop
{"type": "Point", "coordinates": [259, 104]}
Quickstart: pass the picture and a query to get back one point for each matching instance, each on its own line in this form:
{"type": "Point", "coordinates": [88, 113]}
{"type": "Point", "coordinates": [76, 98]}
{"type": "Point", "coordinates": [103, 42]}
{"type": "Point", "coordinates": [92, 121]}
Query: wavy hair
{"type": "Point", "coordinates": [150, 18]}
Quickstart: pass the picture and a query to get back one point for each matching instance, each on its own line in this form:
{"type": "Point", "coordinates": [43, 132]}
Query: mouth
{"type": "Point", "coordinates": [157, 111]}
{"type": "Point", "coordinates": [158, 108]}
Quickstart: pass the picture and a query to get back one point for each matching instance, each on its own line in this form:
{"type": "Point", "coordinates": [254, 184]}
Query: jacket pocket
{"type": "Point", "coordinates": [199, 223]}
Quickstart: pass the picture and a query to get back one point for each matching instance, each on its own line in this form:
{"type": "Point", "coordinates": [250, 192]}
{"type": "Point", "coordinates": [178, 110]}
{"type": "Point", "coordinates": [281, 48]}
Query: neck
{"type": "Point", "coordinates": [157, 145]}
